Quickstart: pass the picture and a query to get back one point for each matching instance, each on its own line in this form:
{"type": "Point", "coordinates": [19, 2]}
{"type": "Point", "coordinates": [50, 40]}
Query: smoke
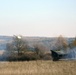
{"type": "Point", "coordinates": [71, 54]}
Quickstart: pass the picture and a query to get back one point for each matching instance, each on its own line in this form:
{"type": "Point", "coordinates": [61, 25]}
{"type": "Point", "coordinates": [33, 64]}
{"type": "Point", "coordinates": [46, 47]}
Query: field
{"type": "Point", "coordinates": [38, 68]}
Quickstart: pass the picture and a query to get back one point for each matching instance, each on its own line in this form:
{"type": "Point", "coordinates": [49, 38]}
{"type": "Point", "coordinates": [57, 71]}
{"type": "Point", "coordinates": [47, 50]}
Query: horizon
{"type": "Point", "coordinates": [38, 36]}
{"type": "Point", "coordinates": [38, 18]}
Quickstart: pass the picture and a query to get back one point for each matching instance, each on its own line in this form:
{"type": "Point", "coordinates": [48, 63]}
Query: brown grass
{"type": "Point", "coordinates": [38, 68]}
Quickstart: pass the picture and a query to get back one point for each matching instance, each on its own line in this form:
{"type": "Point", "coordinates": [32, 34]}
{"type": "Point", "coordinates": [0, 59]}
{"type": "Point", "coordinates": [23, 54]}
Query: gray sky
{"type": "Point", "coordinates": [38, 17]}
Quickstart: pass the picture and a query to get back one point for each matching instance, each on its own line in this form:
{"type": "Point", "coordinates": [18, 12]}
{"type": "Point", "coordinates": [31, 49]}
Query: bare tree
{"type": "Point", "coordinates": [39, 50]}
{"type": "Point", "coordinates": [61, 43]}
{"type": "Point", "coordinates": [18, 46]}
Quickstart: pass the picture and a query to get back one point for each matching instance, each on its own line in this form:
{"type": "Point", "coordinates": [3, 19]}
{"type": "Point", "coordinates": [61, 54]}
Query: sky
{"type": "Point", "coordinates": [44, 18]}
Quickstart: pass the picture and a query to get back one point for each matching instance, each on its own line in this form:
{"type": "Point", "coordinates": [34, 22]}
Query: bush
{"type": "Point", "coordinates": [26, 57]}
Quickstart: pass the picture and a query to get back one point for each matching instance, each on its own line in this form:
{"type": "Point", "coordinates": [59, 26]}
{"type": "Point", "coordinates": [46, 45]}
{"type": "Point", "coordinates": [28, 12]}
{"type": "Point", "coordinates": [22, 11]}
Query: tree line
{"type": "Point", "coordinates": [18, 49]}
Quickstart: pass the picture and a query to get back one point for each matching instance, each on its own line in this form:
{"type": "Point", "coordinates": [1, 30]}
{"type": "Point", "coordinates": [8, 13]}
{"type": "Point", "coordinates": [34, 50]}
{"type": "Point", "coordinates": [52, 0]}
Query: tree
{"type": "Point", "coordinates": [18, 46]}
{"type": "Point", "coordinates": [61, 43]}
{"type": "Point", "coordinates": [74, 42]}
{"type": "Point", "coordinates": [39, 50]}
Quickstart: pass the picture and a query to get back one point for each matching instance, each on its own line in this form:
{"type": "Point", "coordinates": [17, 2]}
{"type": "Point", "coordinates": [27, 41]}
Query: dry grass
{"type": "Point", "coordinates": [38, 68]}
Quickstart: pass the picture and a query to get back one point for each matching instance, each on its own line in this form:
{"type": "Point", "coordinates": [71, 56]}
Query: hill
{"type": "Point", "coordinates": [47, 41]}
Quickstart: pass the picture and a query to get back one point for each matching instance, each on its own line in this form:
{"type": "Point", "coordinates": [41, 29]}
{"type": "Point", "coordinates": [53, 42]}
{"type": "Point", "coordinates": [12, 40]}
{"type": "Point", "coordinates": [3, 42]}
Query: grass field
{"type": "Point", "coordinates": [38, 68]}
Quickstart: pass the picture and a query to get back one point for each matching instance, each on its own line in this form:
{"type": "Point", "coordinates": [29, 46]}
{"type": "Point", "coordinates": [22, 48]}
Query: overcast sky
{"type": "Point", "coordinates": [47, 18]}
